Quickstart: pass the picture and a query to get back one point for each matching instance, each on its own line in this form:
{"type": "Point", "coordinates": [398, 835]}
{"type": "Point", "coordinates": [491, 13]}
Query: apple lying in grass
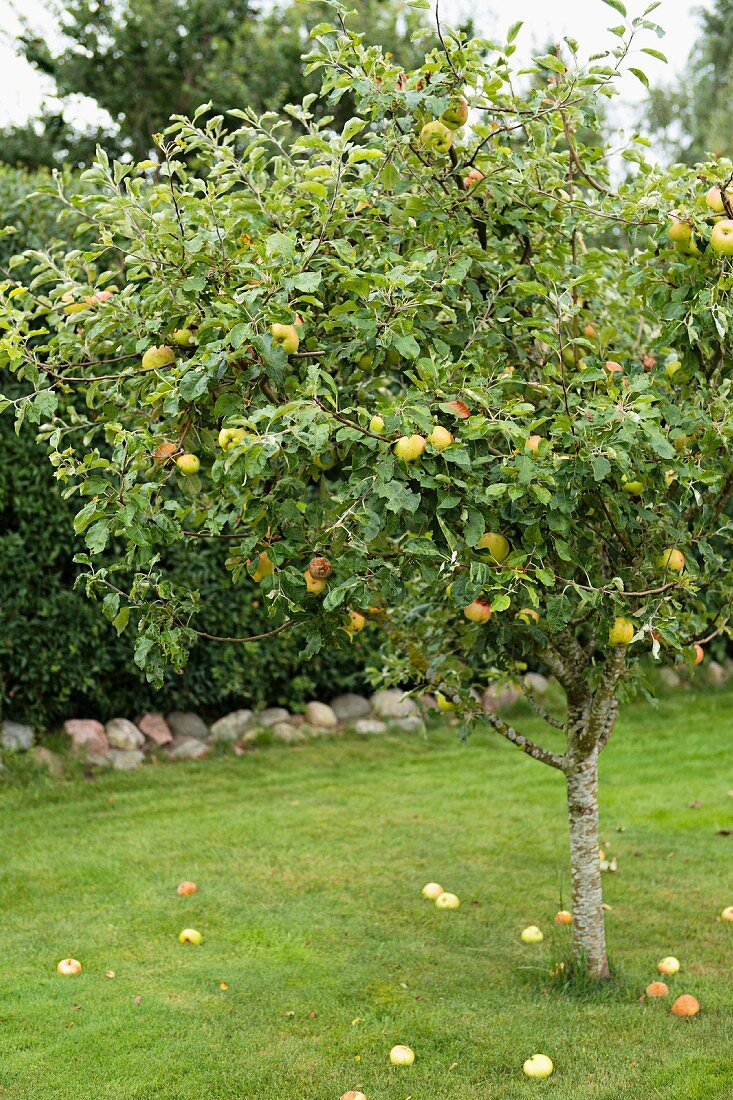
{"type": "Point", "coordinates": [432, 890]}
{"type": "Point", "coordinates": [69, 967]}
{"type": "Point", "coordinates": [447, 901]}
{"type": "Point", "coordinates": [686, 1005]}
{"type": "Point", "coordinates": [351, 1095]}
{"type": "Point", "coordinates": [532, 934]}
{"type": "Point", "coordinates": [669, 966]}
{"type": "Point", "coordinates": [190, 935]}
{"type": "Point", "coordinates": [657, 989]}
{"type": "Point", "coordinates": [185, 889]}
{"type": "Point", "coordinates": [563, 917]}
{"type": "Point", "coordinates": [727, 913]}
{"type": "Point", "coordinates": [539, 1065]}
{"type": "Point", "coordinates": [401, 1056]}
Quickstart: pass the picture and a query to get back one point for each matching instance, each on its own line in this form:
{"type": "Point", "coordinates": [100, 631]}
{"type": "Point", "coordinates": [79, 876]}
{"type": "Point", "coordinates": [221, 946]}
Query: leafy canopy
{"type": "Point", "coordinates": [528, 307]}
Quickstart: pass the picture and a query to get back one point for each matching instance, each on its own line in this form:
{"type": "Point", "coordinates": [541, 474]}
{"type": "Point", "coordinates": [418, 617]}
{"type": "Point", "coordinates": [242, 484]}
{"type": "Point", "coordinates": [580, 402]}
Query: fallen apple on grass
{"type": "Point", "coordinates": [532, 934]}
{"type": "Point", "coordinates": [657, 989]}
{"type": "Point", "coordinates": [686, 1005]}
{"type": "Point", "coordinates": [727, 913]}
{"type": "Point", "coordinates": [447, 901]}
{"type": "Point", "coordinates": [538, 1066]}
{"type": "Point", "coordinates": [190, 935]}
{"type": "Point", "coordinates": [185, 889]}
{"type": "Point", "coordinates": [69, 967]}
{"type": "Point", "coordinates": [401, 1056]}
{"type": "Point", "coordinates": [432, 890]}
{"type": "Point", "coordinates": [563, 917]}
{"type": "Point", "coordinates": [351, 1095]}
{"type": "Point", "coordinates": [669, 966]}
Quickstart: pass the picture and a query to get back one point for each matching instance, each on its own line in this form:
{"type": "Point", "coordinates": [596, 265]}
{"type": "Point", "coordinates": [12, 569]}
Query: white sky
{"type": "Point", "coordinates": [586, 20]}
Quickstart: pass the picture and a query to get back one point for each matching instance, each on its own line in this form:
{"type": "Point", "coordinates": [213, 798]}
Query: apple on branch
{"type": "Point", "coordinates": [285, 337]}
{"type": "Point", "coordinates": [436, 137]}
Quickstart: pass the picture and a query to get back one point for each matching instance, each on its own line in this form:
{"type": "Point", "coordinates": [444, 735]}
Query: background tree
{"type": "Point", "coordinates": [690, 117]}
{"type": "Point", "coordinates": [142, 61]}
{"type": "Point", "coordinates": [398, 376]}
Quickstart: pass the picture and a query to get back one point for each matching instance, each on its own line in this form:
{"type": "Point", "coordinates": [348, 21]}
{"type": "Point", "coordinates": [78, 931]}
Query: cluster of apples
{"type": "Point", "coordinates": [623, 631]}
{"type": "Point", "coordinates": [433, 891]}
{"type": "Point", "coordinates": [721, 237]}
{"type": "Point", "coordinates": [686, 1004]}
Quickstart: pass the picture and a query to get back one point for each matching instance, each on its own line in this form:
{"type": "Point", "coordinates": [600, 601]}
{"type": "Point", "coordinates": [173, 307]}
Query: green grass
{"type": "Point", "coordinates": [309, 862]}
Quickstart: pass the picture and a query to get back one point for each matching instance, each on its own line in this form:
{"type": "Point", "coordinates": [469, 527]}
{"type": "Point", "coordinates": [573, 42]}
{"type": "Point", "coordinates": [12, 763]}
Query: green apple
{"type": "Point", "coordinates": [285, 337]}
{"type": "Point", "coordinates": [538, 1066]}
{"type": "Point", "coordinates": [432, 890]}
{"type": "Point", "coordinates": [409, 447]}
{"type": "Point", "coordinates": [456, 114]}
{"type": "Point", "coordinates": [436, 137]}
{"type": "Point", "coordinates": [680, 232]}
{"type": "Point", "coordinates": [672, 367]}
{"type": "Point", "coordinates": [190, 935]}
{"type": "Point", "coordinates": [401, 1056]}
{"type": "Point", "coordinates": [721, 238]}
{"type": "Point", "coordinates": [528, 615]}
{"type": "Point", "coordinates": [157, 357]}
{"type": "Point", "coordinates": [447, 901]}
{"type": "Point", "coordinates": [496, 544]}
{"type": "Point", "coordinates": [365, 361]}
{"type": "Point", "coordinates": [621, 632]}
{"type": "Point", "coordinates": [672, 559]}
{"type": "Point", "coordinates": [532, 934]}
{"type": "Point", "coordinates": [444, 703]}
{"type": "Point", "coordinates": [376, 424]}
{"type": "Point", "coordinates": [326, 460]}
{"type": "Point", "coordinates": [478, 611]}
{"type": "Point", "coordinates": [188, 464]}
{"type": "Point", "coordinates": [231, 437]}
{"type": "Point", "coordinates": [632, 486]}
{"type": "Point", "coordinates": [183, 337]}
{"type": "Point", "coordinates": [440, 438]}
{"type": "Point", "coordinates": [714, 199]}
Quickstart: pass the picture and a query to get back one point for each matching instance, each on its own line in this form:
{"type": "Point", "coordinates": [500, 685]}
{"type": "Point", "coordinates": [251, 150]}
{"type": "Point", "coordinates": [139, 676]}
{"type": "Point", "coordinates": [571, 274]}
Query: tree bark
{"type": "Point", "coordinates": [589, 936]}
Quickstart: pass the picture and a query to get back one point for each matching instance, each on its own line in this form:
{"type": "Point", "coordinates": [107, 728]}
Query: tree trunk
{"type": "Point", "coordinates": [589, 935]}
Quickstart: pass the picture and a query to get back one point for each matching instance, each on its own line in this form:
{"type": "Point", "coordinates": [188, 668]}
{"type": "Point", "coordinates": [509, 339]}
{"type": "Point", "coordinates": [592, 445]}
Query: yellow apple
{"type": "Point", "coordinates": [355, 622]}
{"type": "Point", "coordinates": [183, 337]}
{"type": "Point", "coordinates": [456, 115]}
{"type": "Point", "coordinates": [409, 447]}
{"type": "Point", "coordinates": [496, 544]}
{"type": "Point", "coordinates": [714, 199]}
{"type": "Point", "coordinates": [563, 917]}
{"type": "Point", "coordinates": [156, 358]}
{"type": "Point", "coordinates": [633, 486]}
{"type": "Point", "coordinates": [352, 1095]}
{"type": "Point", "coordinates": [315, 585]}
{"type": "Point", "coordinates": [285, 337]}
{"type": "Point", "coordinates": [669, 966]}
{"type": "Point", "coordinates": [528, 615]}
{"type": "Point", "coordinates": [672, 367]}
{"type": "Point", "coordinates": [401, 1056]}
{"type": "Point", "coordinates": [727, 913]}
{"type": "Point", "coordinates": [444, 703]}
{"type": "Point", "coordinates": [432, 891]}
{"type": "Point", "coordinates": [721, 238]}
{"type": "Point", "coordinates": [478, 611]}
{"type": "Point", "coordinates": [190, 935]}
{"type": "Point", "coordinates": [447, 901]}
{"type": "Point", "coordinates": [680, 232]}
{"type": "Point", "coordinates": [230, 438]}
{"type": "Point", "coordinates": [265, 567]}
{"type": "Point", "coordinates": [436, 137]}
{"type": "Point", "coordinates": [188, 464]}
{"type": "Point", "coordinates": [532, 934]}
{"type": "Point", "coordinates": [440, 438]}
{"type": "Point", "coordinates": [376, 424]}
{"type": "Point", "coordinates": [539, 1066]}
{"type": "Point", "coordinates": [69, 967]}
{"type": "Point", "coordinates": [621, 632]}
{"type": "Point", "coordinates": [672, 559]}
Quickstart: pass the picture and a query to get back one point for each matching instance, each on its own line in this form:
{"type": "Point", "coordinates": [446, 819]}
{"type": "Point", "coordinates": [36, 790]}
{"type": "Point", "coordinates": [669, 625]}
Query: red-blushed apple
{"type": "Point", "coordinates": [156, 358]}
{"type": "Point", "coordinates": [657, 989]}
{"type": "Point", "coordinates": [185, 889]}
{"type": "Point", "coordinates": [191, 936]}
{"type": "Point", "coordinates": [456, 114]}
{"type": "Point", "coordinates": [440, 438]}
{"type": "Point", "coordinates": [401, 1056]}
{"type": "Point", "coordinates": [409, 447]}
{"type": "Point", "coordinates": [590, 333]}
{"type": "Point", "coordinates": [432, 890]}
{"type": "Point", "coordinates": [265, 567]}
{"type": "Point", "coordinates": [496, 544]}
{"type": "Point", "coordinates": [447, 901]}
{"type": "Point", "coordinates": [672, 560]}
{"type": "Point", "coordinates": [714, 199]}
{"type": "Point", "coordinates": [532, 934]}
{"type": "Point", "coordinates": [436, 137]}
{"type": "Point", "coordinates": [538, 1066]}
{"type": "Point", "coordinates": [613, 367]}
{"type": "Point", "coordinates": [478, 611]}
{"type": "Point", "coordinates": [528, 615]}
{"type": "Point", "coordinates": [472, 177]}
{"type": "Point", "coordinates": [285, 337]}
{"type": "Point", "coordinates": [188, 464]}
{"type": "Point", "coordinates": [721, 238]}
{"type": "Point", "coordinates": [351, 1095]}
{"type": "Point", "coordinates": [69, 967]}
{"type": "Point", "coordinates": [698, 654]}
{"type": "Point", "coordinates": [686, 1005]}
{"type": "Point", "coordinates": [727, 913]}
{"type": "Point", "coordinates": [668, 966]}
{"type": "Point", "coordinates": [563, 917]}
{"type": "Point", "coordinates": [622, 631]}
{"type": "Point", "coordinates": [533, 444]}
{"type": "Point", "coordinates": [680, 232]}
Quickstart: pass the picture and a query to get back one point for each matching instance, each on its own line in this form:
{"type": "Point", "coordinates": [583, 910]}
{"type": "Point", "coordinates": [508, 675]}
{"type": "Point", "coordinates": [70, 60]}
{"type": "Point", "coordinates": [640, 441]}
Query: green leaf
{"type": "Point", "coordinates": [654, 53]}
{"type": "Point", "coordinates": [617, 6]}
{"type": "Point", "coordinates": [641, 76]}
{"type": "Point", "coordinates": [550, 61]}
{"type": "Point", "coordinates": [601, 468]}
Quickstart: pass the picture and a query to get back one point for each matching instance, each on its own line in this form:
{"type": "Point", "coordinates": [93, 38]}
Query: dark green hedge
{"type": "Point", "coordinates": [59, 657]}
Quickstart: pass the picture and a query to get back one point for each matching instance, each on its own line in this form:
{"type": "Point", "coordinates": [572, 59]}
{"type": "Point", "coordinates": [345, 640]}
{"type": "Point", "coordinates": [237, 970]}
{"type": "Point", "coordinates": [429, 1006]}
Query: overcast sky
{"type": "Point", "coordinates": [586, 20]}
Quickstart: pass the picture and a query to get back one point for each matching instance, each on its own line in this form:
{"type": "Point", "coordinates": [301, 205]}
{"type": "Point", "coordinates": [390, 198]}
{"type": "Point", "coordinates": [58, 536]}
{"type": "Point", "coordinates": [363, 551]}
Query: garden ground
{"type": "Point", "coordinates": [309, 862]}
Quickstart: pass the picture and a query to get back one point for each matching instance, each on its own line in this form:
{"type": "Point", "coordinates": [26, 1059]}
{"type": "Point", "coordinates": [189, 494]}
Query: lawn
{"type": "Point", "coordinates": [309, 862]}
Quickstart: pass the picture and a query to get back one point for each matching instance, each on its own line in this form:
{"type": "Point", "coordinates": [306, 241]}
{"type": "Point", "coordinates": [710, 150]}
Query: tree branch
{"type": "Point", "coordinates": [545, 756]}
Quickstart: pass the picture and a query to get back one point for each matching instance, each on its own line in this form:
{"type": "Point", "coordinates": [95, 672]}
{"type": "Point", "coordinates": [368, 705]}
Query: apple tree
{"type": "Point", "coordinates": [433, 374]}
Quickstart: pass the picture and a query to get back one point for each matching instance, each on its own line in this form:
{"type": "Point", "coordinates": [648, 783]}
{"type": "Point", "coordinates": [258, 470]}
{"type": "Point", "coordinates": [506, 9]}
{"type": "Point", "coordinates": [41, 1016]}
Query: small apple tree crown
{"type": "Point", "coordinates": [492, 310]}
